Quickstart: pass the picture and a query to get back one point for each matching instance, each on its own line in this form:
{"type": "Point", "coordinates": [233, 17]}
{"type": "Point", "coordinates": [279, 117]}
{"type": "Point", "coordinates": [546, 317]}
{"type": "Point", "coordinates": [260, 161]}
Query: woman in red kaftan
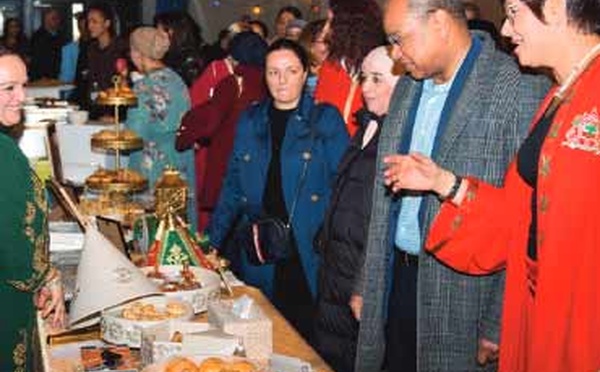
{"type": "Point", "coordinates": [551, 316]}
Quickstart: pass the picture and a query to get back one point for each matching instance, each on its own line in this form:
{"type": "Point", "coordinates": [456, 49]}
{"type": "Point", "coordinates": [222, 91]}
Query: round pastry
{"type": "Point", "coordinates": [181, 364]}
{"type": "Point", "coordinates": [212, 365]}
{"type": "Point", "coordinates": [241, 366]}
{"type": "Point", "coordinates": [177, 337]}
{"type": "Point", "coordinates": [175, 309]}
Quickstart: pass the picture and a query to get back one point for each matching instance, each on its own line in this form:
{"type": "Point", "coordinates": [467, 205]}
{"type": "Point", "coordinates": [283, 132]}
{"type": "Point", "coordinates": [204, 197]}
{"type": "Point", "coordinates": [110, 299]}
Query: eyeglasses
{"type": "Point", "coordinates": [394, 39]}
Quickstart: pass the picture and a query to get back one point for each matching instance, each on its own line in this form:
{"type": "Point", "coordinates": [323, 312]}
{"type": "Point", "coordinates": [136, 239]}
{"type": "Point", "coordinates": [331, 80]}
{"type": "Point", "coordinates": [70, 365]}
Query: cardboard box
{"type": "Point", "coordinates": [255, 329]}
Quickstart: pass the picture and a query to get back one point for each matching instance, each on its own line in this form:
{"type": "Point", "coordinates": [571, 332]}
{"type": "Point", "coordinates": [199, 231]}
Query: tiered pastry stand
{"type": "Point", "coordinates": [115, 186]}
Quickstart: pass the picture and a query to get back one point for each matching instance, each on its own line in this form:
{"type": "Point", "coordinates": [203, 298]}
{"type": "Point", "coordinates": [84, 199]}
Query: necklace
{"type": "Point", "coordinates": [577, 71]}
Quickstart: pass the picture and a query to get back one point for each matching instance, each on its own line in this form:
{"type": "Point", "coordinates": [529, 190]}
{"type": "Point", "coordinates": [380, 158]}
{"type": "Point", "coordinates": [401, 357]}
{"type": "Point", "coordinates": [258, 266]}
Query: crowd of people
{"type": "Point", "coordinates": [431, 170]}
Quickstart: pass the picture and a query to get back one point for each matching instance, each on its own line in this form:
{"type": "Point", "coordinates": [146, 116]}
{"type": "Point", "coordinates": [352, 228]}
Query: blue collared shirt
{"type": "Point", "coordinates": [433, 97]}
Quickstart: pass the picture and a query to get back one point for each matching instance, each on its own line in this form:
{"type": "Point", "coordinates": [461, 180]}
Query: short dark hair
{"type": "Point", "coordinates": [47, 11]}
{"type": "Point", "coordinates": [248, 48]}
{"type": "Point", "coordinates": [10, 20]}
{"type": "Point", "coordinates": [107, 13]}
{"type": "Point", "coordinates": [290, 9]}
{"type": "Point", "coordinates": [292, 46]}
{"type": "Point", "coordinates": [583, 14]}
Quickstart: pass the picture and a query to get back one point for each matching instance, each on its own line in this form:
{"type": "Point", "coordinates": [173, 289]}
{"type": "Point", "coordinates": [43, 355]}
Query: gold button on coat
{"type": "Point", "coordinates": [314, 198]}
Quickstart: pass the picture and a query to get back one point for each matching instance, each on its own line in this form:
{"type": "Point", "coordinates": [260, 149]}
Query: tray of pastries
{"type": "Point", "coordinates": [120, 95]}
{"type": "Point", "coordinates": [193, 284]}
{"type": "Point", "coordinates": [205, 364]}
{"type": "Point", "coordinates": [124, 211]}
{"type": "Point", "coordinates": [121, 180]}
{"type": "Point", "coordinates": [123, 325]}
{"type": "Point", "coordinates": [124, 139]}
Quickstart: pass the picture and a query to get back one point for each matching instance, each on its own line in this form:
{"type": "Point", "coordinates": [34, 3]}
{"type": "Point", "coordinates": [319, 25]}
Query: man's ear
{"type": "Point", "coordinates": [555, 12]}
{"type": "Point", "coordinates": [441, 21]}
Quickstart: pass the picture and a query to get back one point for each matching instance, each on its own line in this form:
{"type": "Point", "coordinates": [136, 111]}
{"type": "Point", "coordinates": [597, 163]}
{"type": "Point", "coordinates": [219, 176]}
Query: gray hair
{"type": "Point", "coordinates": [456, 8]}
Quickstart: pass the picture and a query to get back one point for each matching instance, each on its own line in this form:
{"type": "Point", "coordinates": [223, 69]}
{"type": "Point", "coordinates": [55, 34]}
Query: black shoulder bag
{"type": "Point", "coordinates": [268, 239]}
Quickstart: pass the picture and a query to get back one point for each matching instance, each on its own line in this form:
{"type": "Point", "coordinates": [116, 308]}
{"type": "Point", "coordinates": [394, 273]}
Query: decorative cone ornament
{"type": "Point", "coordinates": [174, 245]}
{"type": "Point", "coordinates": [105, 278]}
{"type": "Point", "coordinates": [171, 193]}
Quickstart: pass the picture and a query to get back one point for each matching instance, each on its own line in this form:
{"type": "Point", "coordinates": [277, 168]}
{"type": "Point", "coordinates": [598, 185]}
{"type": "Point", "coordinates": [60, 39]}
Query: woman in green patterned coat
{"type": "Point", "coordinates": [26, 278]}
{"type": "Point", "coordinates": [162, 101]}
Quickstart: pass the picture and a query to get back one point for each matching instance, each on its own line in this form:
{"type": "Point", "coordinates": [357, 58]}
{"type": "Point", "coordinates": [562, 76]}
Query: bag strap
{"type": "Point", "coordinates": [314, 114]}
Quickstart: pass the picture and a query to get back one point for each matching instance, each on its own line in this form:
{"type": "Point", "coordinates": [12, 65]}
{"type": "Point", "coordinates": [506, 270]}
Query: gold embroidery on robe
{"type": "Point", "coordinates": [20, 353]}
{"type": "Point", "coordinates": [40, 263]}
{"type": "Point", "coordinates": [29, 213]}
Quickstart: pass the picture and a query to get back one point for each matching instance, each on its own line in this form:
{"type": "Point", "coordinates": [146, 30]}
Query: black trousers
{"type": "Point", "coordinates": [292, 296]}
{"type": "Point", "coordinates": [401, 328]}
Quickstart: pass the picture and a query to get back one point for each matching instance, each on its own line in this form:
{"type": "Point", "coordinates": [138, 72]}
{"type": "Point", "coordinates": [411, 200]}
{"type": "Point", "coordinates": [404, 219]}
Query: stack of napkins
{"type": "Point", "coordinates": [211, 342]}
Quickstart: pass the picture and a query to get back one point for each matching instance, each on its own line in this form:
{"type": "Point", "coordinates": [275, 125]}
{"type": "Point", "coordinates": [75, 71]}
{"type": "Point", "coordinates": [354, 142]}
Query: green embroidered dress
{"type": "Point", "coordinates": [23, 254]}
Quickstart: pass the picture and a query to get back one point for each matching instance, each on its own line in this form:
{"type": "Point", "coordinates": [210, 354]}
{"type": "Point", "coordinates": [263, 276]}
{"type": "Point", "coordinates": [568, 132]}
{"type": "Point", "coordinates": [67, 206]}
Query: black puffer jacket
{"type": "Point", "coordinates": [341, 245]}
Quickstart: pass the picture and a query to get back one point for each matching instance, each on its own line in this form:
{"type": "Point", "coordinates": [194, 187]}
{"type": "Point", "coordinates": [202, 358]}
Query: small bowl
{"type": "Point", "coordinates": [78, 117]}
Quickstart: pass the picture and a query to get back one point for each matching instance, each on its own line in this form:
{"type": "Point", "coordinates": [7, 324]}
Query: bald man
{"type": "Point", "coordinates": [467, 105]}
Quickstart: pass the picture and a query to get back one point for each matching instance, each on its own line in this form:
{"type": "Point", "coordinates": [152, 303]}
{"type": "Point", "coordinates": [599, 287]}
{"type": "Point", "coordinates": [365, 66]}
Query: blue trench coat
{"type": "Point", "coordinates": [242, 192]}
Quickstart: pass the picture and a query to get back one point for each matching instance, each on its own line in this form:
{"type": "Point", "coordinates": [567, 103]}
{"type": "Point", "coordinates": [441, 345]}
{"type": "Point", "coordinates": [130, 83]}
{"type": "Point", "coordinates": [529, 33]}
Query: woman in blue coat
{"type": "Point", "coordinates": [274, 140]}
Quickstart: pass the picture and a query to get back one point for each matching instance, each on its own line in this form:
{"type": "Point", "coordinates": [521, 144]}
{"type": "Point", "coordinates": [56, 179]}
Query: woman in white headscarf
{"type": "Point", "coordinates": [342, 239]}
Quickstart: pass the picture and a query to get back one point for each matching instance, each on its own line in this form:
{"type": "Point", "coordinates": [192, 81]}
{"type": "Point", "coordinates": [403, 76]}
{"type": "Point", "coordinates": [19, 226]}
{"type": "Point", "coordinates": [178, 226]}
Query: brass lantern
{"type": "Point", "coordinates": [171, 193]}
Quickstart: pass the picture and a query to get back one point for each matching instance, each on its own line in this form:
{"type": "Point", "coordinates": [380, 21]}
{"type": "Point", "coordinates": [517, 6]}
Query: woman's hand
{"type": "Point", "coordinates": [50, 300]}
{"type": "Point", "coordinates": [416, 172]}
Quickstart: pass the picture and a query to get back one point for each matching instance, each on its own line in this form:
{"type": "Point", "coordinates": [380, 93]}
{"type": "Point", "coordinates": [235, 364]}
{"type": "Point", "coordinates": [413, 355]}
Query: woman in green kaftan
{"type": "Point", "coordinates": [26, 277]}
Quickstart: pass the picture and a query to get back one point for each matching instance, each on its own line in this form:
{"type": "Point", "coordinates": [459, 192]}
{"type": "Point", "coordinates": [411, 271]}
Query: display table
{"type": "Point", "coordinates": [286, 340]}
